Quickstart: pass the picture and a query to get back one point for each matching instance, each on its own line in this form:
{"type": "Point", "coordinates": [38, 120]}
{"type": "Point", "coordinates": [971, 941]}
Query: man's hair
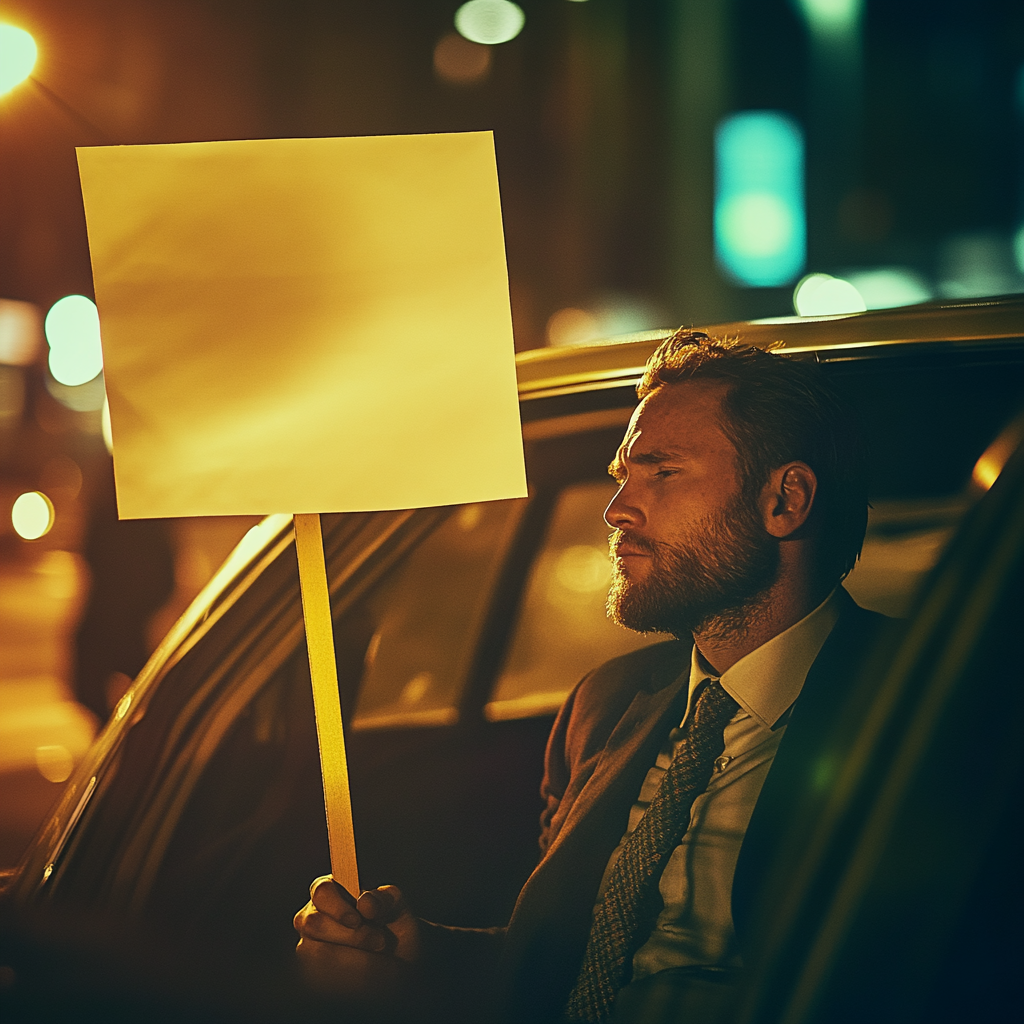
{"type": "Point", "coordinates": [780, 410]}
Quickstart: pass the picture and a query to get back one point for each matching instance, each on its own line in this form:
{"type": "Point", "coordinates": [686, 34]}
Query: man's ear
{"type": "Point", "coordinates": [787, 498]}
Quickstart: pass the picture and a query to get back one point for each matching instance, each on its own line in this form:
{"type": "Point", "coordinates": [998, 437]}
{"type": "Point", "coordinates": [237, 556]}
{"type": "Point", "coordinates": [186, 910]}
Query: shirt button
{"type": "Point", "coordinates": [721, 762]}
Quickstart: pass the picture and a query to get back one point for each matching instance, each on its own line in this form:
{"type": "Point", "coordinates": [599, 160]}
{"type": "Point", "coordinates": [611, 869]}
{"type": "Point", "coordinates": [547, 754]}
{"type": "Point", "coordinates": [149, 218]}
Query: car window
{"type": "Point", "coordinates": [428, 616]}
{"type": "Point", "coordinates": [562, 630]}
{"type": "Point", "coordinates": [903, 542]}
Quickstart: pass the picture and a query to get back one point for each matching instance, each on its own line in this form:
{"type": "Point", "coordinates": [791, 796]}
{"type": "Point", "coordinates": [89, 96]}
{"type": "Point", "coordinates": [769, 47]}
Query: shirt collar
{"type": "Point", "coordinates": [767, 680]}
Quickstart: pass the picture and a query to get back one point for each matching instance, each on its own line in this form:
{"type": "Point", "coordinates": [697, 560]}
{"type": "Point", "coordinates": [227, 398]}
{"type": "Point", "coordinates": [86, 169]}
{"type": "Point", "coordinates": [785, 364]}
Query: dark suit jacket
{"type": "Point", "coordinates": [604, 741]}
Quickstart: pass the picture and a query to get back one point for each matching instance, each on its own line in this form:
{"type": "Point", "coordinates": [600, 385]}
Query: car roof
{"type": "Point", "coordinates": [621, 360]}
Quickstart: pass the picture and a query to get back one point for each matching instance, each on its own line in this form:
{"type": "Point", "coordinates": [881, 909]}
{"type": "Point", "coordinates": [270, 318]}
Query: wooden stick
{"type": "Point", "coordinates": [316, 611]}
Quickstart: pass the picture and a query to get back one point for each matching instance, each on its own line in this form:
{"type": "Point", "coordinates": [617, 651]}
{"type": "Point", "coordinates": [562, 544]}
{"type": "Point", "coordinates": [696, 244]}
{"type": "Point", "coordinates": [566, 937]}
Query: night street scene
{"type": "Point", "coordinates": [511, 511]}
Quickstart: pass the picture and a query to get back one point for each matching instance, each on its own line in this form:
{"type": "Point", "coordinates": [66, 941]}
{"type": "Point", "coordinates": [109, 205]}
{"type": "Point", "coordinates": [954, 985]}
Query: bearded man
{"type": "Point", "coordinates": [670, 772]}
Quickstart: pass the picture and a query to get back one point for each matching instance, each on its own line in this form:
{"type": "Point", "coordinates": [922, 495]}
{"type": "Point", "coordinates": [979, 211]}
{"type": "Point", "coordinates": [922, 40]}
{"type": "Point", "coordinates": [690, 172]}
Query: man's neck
{"type": "Point", "coordinates": [722, 641]}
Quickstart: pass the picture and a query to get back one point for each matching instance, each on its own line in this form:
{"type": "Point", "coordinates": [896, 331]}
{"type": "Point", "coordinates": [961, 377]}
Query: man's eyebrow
{"type": "Point", "coordinates": [617, 470]}
{"type": "Point", "coordinates": [654, 457]}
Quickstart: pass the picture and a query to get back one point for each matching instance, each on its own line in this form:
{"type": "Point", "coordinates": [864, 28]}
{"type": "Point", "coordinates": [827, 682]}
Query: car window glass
{"type": "Point", "coordinates": [903, 543]}
{"type": "Point", "coordinates": [427, 617]}
{"type": "Point", "coordinates": [563, 631]}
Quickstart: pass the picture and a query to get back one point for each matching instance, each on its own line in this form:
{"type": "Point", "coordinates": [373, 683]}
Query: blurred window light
{"type": "Point", "coordinates": [19, 332]}
{"type": "Point", "coordinates": [760, 224]}
{"type": "Point", "coordinates": [489, 21]}
{"type": "Point", "coordinates": [32, 515]}
{"type": "Point", "coordinates": [18, 54]}
{"type": "Point", "coordinates": [571, 326]}
{"type": "Point", "coordinates": [619, 314]}
{"type": "Point", "coordinates": [888, 287]}
{"type": "Point", "coordinates": [1018, 248]}
{"type": "Point", "coordinates": [825, 295]}
{"type": "Point", "coordinates": [976, 265]}
{"type": "Point", "coordinates": [460, 62]}
{"type": "Point", "coordinates": [72, 329]}
{"type": "Point", "coordinates": [831, 17]}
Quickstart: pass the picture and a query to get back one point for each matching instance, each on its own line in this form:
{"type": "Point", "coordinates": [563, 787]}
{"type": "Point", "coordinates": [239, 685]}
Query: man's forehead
{"type": "Point", "coordinates": [666, 418]}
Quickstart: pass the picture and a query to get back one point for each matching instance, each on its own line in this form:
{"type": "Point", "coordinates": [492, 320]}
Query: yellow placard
{"type": "Point", "coordinates": [304, 325]}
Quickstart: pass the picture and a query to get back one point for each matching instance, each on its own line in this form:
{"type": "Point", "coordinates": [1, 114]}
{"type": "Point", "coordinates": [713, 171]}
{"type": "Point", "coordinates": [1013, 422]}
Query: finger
{"type": "Point", "coordinates": [314, 925]}
{"type": "Point", "coordinates": [326, 895]}
{"type": "Point", "coordinates": [382, 905]}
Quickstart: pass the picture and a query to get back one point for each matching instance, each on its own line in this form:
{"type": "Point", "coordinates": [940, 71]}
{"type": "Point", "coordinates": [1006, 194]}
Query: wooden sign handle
{"type": "Point", "coordinates": [316, 611]}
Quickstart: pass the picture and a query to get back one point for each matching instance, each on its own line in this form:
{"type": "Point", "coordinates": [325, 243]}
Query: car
{"type": "Point", "coordinates": [196, 822]}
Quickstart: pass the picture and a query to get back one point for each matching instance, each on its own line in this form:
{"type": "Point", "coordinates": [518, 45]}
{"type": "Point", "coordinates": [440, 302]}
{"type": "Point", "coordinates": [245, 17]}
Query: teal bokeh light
{"type": "Point", "coordinates": [760, 223]}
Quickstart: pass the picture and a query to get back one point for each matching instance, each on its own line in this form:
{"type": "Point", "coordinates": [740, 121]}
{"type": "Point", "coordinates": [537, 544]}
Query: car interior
{"type": "Point", "coordinates": [458, 633]}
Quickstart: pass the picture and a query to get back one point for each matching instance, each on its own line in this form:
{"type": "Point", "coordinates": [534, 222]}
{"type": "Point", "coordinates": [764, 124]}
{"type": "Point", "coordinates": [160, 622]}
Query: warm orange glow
{"type": "Point", "coordinates": [986, 471]}
{"type": "Point", "coordinates": [460, 62]}
{"type": "Point", "coordinates": [54, 762]}
{"type": "Point", "coordinates": [20, 332]}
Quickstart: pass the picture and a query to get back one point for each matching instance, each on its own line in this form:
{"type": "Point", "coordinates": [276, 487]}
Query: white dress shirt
{"type": "Point", "coordinates": [695, 927]}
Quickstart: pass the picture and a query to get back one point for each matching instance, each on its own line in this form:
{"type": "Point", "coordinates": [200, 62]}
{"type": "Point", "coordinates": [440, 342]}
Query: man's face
{"type": "Point", "coordinates": [689, 546]}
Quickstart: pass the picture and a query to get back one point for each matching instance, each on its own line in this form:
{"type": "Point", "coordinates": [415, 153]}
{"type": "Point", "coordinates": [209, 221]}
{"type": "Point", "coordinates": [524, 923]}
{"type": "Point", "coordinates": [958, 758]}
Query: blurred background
{"type": "Point", "coordinates": [661, 162]}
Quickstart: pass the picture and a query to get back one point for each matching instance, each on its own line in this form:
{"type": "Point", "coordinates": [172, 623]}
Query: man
{"type": "Point", "coordinates": [741, 506]}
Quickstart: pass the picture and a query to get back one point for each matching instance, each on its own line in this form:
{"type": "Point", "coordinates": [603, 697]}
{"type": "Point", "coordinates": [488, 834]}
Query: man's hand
{"type": "Point", "coordinates": [367, 952]}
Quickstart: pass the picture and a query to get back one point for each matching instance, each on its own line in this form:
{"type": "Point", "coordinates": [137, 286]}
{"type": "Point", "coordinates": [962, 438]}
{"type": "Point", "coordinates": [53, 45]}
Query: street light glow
{"type": "Point", "coordinates": [18, 54]}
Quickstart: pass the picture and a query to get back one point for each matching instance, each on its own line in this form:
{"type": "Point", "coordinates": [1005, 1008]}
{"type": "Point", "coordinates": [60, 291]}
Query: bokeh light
{"type": "Point", "coordinates": [572, 326]}
{"type": "Point", "coordinates": [756, 225]}
{"type": "Point", "coordinates": [1018, 248]}
{"type": "Point", "coordinates": [888, 287]}
{"type": "Point", "coordinates": [19, 332]}
{"type": "Point", "coordinates": [825, 295]}
{"type": "Point", "coordinates": [760, 224]}
{"type": "Point", "coordinates": [489, 21]}
{"type": "Point", "coordinates": [32, 515]}
{"type": "Point", "coordinates": [54, 762]}
{"type": "Point", "coordinates": [72, 329]}
{"type": "Point", "coordinates": [18, 54]}
{"type": "Point", "coordinates": [460, 62]}
{"type": "Point", "coordinates": [583, 569]}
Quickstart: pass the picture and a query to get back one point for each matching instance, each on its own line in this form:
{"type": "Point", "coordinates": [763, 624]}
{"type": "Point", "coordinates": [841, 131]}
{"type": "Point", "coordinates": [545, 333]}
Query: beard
{"type": "Point", "coordinates": [711, 584]}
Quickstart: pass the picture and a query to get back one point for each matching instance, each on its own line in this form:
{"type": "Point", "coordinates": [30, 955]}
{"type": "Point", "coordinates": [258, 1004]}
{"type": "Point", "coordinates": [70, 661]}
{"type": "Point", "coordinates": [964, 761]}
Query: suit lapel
{"type": "Point", "coordinates": [549, 927]}
{"type": "Point", "coordinates": [804, 745]}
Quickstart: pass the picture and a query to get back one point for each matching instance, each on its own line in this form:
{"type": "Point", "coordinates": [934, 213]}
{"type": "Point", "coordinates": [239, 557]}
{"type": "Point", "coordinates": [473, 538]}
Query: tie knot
{"type": "Point", "coordinates": [713, 707]}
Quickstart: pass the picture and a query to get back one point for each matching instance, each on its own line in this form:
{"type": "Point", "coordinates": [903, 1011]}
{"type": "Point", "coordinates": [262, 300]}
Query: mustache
{"type": "Point", "coordinates": [633, 541]}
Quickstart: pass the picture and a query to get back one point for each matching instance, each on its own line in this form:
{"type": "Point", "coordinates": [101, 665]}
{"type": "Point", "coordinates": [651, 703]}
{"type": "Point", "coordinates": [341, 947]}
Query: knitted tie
{"type": "Point", "coordinates": [631, 899]}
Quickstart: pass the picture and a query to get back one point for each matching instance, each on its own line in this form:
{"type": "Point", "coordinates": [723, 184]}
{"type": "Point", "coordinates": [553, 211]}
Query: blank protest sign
{"type": "Point", "coordinates": [304, 325]}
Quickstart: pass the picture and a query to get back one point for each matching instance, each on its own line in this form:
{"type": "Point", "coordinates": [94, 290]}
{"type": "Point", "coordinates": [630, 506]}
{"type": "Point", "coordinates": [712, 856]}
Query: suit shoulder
{"type": "Point", "coordinates": [618, 680]}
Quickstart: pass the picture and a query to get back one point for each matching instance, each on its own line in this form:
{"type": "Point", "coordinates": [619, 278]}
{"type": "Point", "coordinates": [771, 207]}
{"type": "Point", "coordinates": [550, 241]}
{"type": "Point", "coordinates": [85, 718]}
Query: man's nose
{"type": "Point", "coordinates": [621, 513]}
